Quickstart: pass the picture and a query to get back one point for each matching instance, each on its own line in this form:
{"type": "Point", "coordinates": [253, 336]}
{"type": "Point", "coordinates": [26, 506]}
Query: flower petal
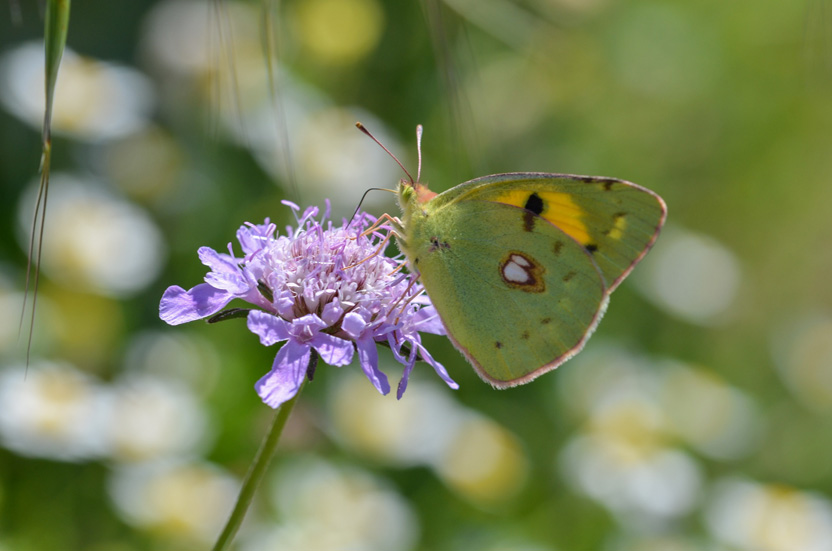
{"type": "Point", "coordinates": [181, 306]}
{"type": "Point", "coordinates": [427, 320]}
{"type": "Point", "coordinates": [308, 324]}
{"type": "Point", "coordinates": [438, 367]}
{"type": "Point", "coordinates": [405, 377]}
{"type": "Point", "coordinates": [253, 237]}
{"type": "Point", "coordinates": [285, 304]}
{"type": "Point", "coordinates": [286, 376]}
{"type": "Point", "coordinates": [368, 357]}
{"type": "Point", "coordinates": [333, 350]}
{"type": "Point", "coordinates": [269, 328]}
{"type": "Point", "coordinates": [354, 324]}
{"type": "Point", "coordinates": [332, 312]}
{"type": "Point", "coordinates": [224, 274]}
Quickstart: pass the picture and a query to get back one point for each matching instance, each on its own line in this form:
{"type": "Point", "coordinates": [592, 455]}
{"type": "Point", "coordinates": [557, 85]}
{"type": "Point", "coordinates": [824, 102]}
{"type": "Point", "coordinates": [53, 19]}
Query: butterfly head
{"type": "Point", "coordinates": [410, 192]}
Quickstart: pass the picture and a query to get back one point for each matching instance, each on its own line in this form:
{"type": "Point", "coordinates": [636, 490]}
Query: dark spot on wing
{"type": "Point", "coordinates": [525, 336]}
{"type": "Point", "coordinates": [591, 247]}
{"type": "Point", "coordinates": [534, 206]}
{"type": "Point", "coordinates": [534, 203]}
{"type": "Point", "coordinates": [436, 244]}
{"type": "Point", "coordinates": [528, 220]}
{"type": "Point", "coordinates": [544, 321]}
{"type": "Point", "coordinates": [569, 276]}
{"type": "Point", "coordinates": [498, 345]}
{"type": "Point", "coordinates": [608, 185]}
{"type": "Point", "coordinates": [558, 247]}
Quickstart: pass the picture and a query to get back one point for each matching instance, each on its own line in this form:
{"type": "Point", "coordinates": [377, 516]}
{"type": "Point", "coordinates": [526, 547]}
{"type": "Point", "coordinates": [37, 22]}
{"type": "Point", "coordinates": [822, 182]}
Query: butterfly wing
{"type": "Point", "coordinates": [515, 303]}
{"type": "Point", "coordinates": [615, 220]}
{"type": "Point", "coordinates": [520, 266]}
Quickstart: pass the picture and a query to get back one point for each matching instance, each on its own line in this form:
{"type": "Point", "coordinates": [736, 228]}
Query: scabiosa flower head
{"type": "Point", "coordinates": [317, 287]}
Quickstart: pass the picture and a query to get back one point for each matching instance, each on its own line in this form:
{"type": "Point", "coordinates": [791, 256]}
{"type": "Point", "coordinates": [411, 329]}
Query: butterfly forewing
{"type": "Point", "coordinates": [615, 221]}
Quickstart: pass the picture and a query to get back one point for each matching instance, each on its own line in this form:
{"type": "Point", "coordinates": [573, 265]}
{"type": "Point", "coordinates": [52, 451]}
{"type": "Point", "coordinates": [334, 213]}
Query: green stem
{"type": "Point", "coordinates": [258, 468]}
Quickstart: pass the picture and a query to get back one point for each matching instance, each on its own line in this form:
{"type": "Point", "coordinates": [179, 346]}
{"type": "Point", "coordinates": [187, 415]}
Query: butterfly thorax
{"type": "Point", "coordinates": [413, 199]}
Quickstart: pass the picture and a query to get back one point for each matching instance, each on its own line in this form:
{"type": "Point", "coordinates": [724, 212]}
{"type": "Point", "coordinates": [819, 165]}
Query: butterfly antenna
{"type": "Point", "coordinates": [419, 152]}
{"type": "Point", "coordinates": [364, 129]}
{"type": "Point", "coordinates": [362, 200]}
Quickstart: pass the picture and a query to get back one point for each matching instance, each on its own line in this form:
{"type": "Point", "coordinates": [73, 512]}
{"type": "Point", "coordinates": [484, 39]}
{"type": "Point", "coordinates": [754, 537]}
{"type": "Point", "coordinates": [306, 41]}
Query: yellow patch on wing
{"type": "Point", "coordinates": [618, 228]}
{"type": "Point", "coordinates": [558, 208]}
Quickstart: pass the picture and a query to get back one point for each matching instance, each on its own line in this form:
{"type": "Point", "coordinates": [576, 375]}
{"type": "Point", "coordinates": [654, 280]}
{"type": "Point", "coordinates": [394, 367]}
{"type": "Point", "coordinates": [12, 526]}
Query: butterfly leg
{"type": "Point", "coordinates": [378, 223]}
{"type": "Point", "coordinates": [413, 279]}
{"type": "Point", "coordinates": [378, 251]}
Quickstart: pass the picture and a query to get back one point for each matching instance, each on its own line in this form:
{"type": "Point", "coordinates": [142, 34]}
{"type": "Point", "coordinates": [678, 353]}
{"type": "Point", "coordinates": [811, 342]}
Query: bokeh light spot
{"type": "Point", "coordinates": [339, 31]}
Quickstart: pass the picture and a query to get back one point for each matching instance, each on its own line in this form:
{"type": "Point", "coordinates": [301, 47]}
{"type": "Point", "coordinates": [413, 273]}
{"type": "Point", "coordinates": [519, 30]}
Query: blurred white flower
{"type": "Point", "coordinates": [328, 154]}
{"type": "Point", "coordinates": [803, 352]}
{"type": "Point", "coordinates": [476, 457]}
{"type": "Point", "coordinates": [178, 500]}
{"type": "Point", "coordinates": [335, 160]}
{"type": "Point", "coordinates": [179, 356]}
{"type": "Point", "coordinates": [660, 542]}
{"type": "Point", "coordinates": [678, 402]}
{"type": "Point", "coordinates": [52, 410]}
{"type": "Point", "coordinates": [637, 414]}
{"type": "Point", "coordinates": [752, 516]}
{"type": "Point", "coordinates": [691, 276]}
{"type": "Point", "coordinates": [324, 507]}
{"type": "Point", "coordinates": [46, 322]}
{"type": "Point", "coordinates": [409, 432]}
{"type": "Point", "coordinates": [643, 485]}
{"type": "Point", "coordinates": [484, 462]}
{"type": "Point", "coordinates": [94, 100]}
{"type": "Point", "coordinates": [93, 240]}
{"type": "Point", "coordinates": [153, 418]}
{"type": "Point", "coordinates": [717, 419]}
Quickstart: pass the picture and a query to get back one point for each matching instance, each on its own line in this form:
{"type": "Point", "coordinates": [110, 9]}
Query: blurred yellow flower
{"type": "Point", "coordinates": [339, 31]}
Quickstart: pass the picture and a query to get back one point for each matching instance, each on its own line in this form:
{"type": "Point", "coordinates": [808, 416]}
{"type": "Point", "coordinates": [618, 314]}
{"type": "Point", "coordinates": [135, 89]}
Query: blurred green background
{"type": "Point", "coordinates": [698, 416]}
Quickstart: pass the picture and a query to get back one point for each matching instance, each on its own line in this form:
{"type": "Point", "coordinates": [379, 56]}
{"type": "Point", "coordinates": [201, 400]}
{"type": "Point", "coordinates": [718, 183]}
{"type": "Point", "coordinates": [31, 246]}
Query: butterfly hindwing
{"type": "Point", "coordinates": [516, 301]}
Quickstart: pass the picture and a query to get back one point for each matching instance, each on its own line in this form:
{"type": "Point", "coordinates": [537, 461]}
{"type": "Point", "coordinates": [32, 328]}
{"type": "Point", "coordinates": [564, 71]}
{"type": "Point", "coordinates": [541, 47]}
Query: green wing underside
{"type": "Point", "coordinates": [599, 203]}
{"type": "Point", "coordinates": [510, 332]}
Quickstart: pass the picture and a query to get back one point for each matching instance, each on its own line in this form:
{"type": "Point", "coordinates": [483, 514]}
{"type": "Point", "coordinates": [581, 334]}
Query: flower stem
{"type": "Point", "coordinates": [258, 468]}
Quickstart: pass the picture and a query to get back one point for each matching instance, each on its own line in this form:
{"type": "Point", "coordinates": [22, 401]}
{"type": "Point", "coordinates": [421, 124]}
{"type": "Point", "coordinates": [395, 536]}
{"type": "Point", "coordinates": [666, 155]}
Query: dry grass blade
{"type": "Point", "coordinates": [55, 31]}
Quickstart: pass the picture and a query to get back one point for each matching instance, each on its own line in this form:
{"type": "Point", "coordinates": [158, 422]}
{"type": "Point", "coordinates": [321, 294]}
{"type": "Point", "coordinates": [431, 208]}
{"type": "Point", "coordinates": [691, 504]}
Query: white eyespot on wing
{"type": "Point", "coordinates": [516, 270]}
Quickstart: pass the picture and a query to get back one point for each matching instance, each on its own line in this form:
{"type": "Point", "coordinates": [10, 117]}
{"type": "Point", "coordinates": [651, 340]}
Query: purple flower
{"type": "Point", "coordinates": [317, 287]}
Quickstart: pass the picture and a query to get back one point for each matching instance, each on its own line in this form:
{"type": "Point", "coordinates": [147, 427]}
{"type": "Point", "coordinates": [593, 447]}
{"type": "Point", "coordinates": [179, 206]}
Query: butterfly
{"type": "Point", "coordinates": [520, 266]}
